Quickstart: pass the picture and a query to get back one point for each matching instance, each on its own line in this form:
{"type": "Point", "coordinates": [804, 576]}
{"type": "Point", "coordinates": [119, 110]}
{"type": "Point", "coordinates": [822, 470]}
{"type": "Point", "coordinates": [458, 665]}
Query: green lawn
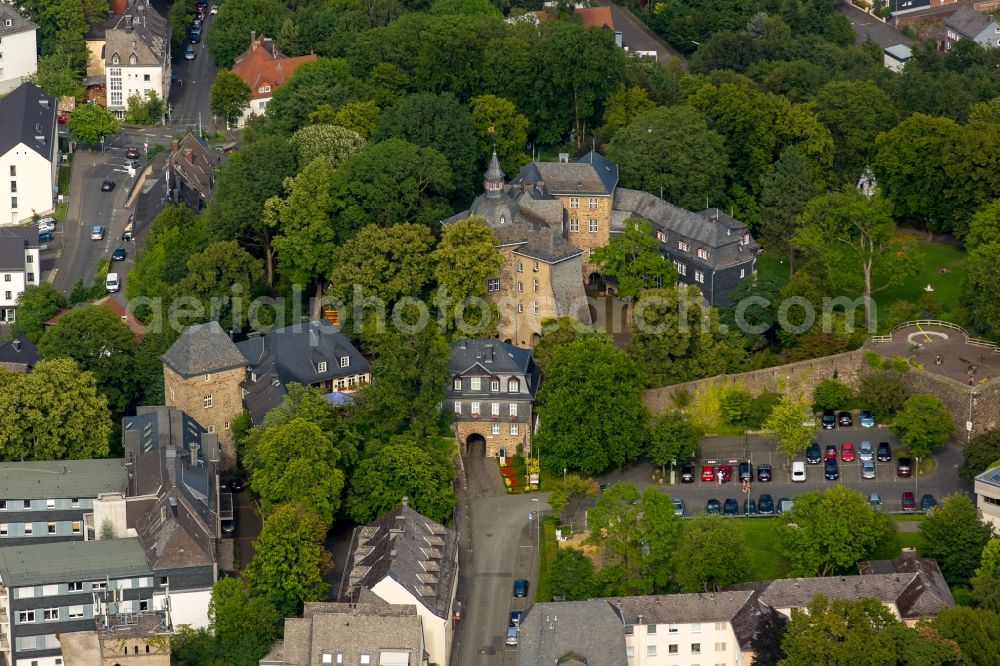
{"type": "Point", "coordinates": [935, 256]}
{"type": "Point", "coordinates": [761, 538]}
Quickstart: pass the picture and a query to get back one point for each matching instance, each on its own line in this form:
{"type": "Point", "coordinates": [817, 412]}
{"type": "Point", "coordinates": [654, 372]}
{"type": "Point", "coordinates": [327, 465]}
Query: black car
{"type": "Point", "coordinates": [765, 504]}
{"type": "Point", "coordinates": [927, 502]}
{"type": "Point", "coordinates": [829, 420]}
{"type": "Point", "coordinates": [235, 484]}
{"type": "Point", "coordinates": [687, 473]}
{"type": "Point", "coordinates": [229, 527]}
{"type": "Point", "coordinates": [712, 507]}
{"type": "Point", "coordinates": [763, 473]}
{"type": "Point", "coordinates": [749, 507]}
{"type": "Point", "coordinates": [107, 185]}
{"type": "Point", "coordinates": [904, 467]}
{"type": "Point", "coordinates": [731, 507]}
{"type": "Point", "coordinates": [884, 453]}
{"type": "Point", "coordinates": [132, 153]}
{"type": "Point", "coordinates": [118, 254]}
{"type": "Point", "coordinates": [746, 471]}
{"type": "Point", "coordinates": [813, 455]}
{"type": "Point", "coordinates": [831, 471]}
{"type": "Point", "coordinates": [845, 420]}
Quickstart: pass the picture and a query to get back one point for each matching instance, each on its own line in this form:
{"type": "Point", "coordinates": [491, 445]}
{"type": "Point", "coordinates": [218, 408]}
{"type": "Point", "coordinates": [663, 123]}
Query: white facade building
{"type": "Point", "coordinates": [136, 55]}
{"type": "Point", "coordinates": [18, 49]}
{"type": "Point", "coordinates": [29, 151]}
{"type": "Point", "coordinates": [19, 267]}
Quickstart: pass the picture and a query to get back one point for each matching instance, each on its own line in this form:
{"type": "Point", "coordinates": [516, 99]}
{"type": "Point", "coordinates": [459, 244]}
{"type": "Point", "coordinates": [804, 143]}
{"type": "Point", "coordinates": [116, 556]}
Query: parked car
{"type": "Point", "coordinates": [195, 35]}
{"type": "Point", "coordinates": [927, 502]}
{"type": "Point", "coordinates": [97, 233]}
{"type": "Point", "coordinates": [111, 283]}
{"type": "Point", "coordinates": [844, 420]}
{"type": "Point", "coordinates": [189, 53]}
{"type": "Point", "coordinates": [46, 236]}
{"type": "Point", "coordinates": [884, 452]}
{"type": "Point", "coordinates": [746, 471]}
{"type": "Point", "coordinates": [118, 254]}
{"type": "Point", "coordinates": [831, 452]}
{"type": "Point", "coordinates": [875, 500]}
{"type": "Point", "coordinates": [763, 473]}
{"type": "Point", "coordinates": [831, 471]}
{"type": "Point", "coordinates": [783, 504]}
{"type": "Point", "coordinates": [712, 507]}
{"type": "Point", "coordinates": [829, 420]}
{"type": "Point", "coordinates": [520, 588]}
{"type": "Point", "coordinates": [726, 472]}
{"type": "Point", "coordinates": [904, 467]}
{"type": "Point", "coordinates": [908, 503]}
{"type": "Point", "coordinates": [228, 527]}
{"type": "Point", "coordinates": [131, 164]}
{"type": "Point", "coordinates": [867, 418]}
{"type": "Point", "coordinates": [132, 153]}
{"type": "Point", "coordinates": [678, 507]}
{"type": "Point", "coordinates": [749, 507]}
{"type": "Point", "coordinates": [847, 452]}
{"type": "Point", "coordinates": [515, 618]}
{"type": "Point", "coordinates": [511, 635]}
{"type": "Point", "coordinates": [765, 504]}
{"type": "Point", "coordinates": [813, 454]}
{"type": "Point", "coordinates": [865, 451]}
{"type": "Point", "coordinates": [707, 473]}
{"type": "Point", "coordinates": [798, 471]}
{"type": "Point", "coordinates": [235, 484]}
{"type": "Point", "coordinates": [731, 507]}
{"type": "Point", "coordinates": [107, 185]}
{"type": "Point", "coordinates": [868, 469]}
{"type": "Point", "coordinates": [47, 224]}
{"type": "Point", "coordinates": [687, 473]}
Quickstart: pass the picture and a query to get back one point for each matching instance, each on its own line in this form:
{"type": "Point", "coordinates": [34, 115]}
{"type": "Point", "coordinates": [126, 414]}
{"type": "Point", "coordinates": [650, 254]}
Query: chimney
{"type": "Point", "coordinates": [194, 454]}
{"type": "Point", "coordinates": [406, 502]}
{"type": "Point", "coordinates": [172, 501]}
{"type": "Point", "coordinates": [253, 40]}
{"type": "Point", "coordinates": [128, 23]}
{"type": "Point", "coordinates": [909, 554]}
{"type": "Point", "coordinates": [174, 145]}
{"type": "Point", "coordinates": [189, 154]}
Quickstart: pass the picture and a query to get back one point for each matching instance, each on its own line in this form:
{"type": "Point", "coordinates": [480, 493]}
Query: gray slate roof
{"type": "Point", "coordinates": [195, 163]}
{"type": "Point", "coordinates": [351, 629]}
{"type": "Point", "coordinates": [65, 561]}
{"type": "Point", "coordinates": [490, 357]}
{"type": "Point", "coordinates": [62, 479]}
{"type": "Point", "coordinates": [26, 114]}
{"type": "Point", "coordinates": [681, 608]}
{"type": "Point", "coordinates": [416, 552]}
{"type": "Point", "coordinates": [900, 52]}
{"type": "Point", "coordinates": [968, 22]}
{"type": "Point", "coordinates": [927, 593]}
{"type": "Point", "coordinates": [589, 631]}
{"type": "Point", "coordinates": [203, 349]}
{"type": "Point", "coordinates": [18, 22]}
{"type": "Point", "coordinates": [148, 39]}
{"type": "Point", "coordinates": [591, 174]}
{"type": "Point", "coordinates": [13, 242]}
{"type": "Point", "coordinates": [19, 354]}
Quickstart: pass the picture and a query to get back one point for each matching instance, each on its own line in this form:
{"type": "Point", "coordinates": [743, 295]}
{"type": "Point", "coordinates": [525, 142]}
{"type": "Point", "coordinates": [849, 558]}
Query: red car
{"type": "Point", "coordinates": [847, 452]}
{"type": "Point", "coordinates": [909, 502]}
{"type": "Point", "coordinates": [726, 472]}
{"type": "Point", "coordinates": [707, 473]}
{"type": "Point", "coordinates": [831, 452]}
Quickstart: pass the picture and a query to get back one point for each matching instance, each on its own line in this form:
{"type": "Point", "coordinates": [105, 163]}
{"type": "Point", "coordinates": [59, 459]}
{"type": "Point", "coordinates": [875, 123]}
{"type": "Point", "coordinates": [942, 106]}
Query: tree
{"type": "Point", "coordinates": [785, 425]}
{"type": "Point", "coordinates": [923, 425]}
{"type": "Point", "coordinates": [670, 437]}
{"type": "Point", "coordinates": [90, 123]}
{"type": "Point", "coordinates": [289, 560]}
{"type": "Point", "coordinates": [499, 126]}
{"type": "Point", "coordinates": [885, 392]}
{"type": "Point", "coordinates": [400, 469]}
{"type": "Point", "coordinates": [985, 112]}
{"type": "Point", "coordinates": [979, 289]}
{"type": "Point", "coordinates": [146, 109]}
{"type": "Point", "coordinates": [386, 262]}
{"type": "Point", "coordinates": [710, 554]}
{"type": "Point", "coordinates": [734, 406]}
{"type": "Point", "coordinates": [362, 117]}
{"type": "Point", "coordinates": [557, 333]}
{"type": "Point", "coordinates": [784, 193]}
{"type": "Point", "coordinates": [332, 141]}
{"type": "Point", "coordinates": [57, 76]}
{"type": "Point", "coordinates": [98, 340]}
{"type": "Point", "coordinates": [980, 454]}
{"type": "Point", "coordinates": [230, 96]}
{"type": "Point", "coordinates": [53, 413]}
{"type": "Point", "coordinates": [974, 630]}
{"type": "Point", "coordinates": [465, 257]}
{"type": "Point", "coordinates": [832, 394]}
{"type": "Point", "coordinates": [179, 16]}
{"type": "Point", "coordinates": [571, 575]}
{"type": "Point", "coordinates": [853, 237]}
{"type": "Point", "coordinates": [984, 227]}
{"type": "Point", "coordinates": [219, 275]}
{"type": "Point", "coordinates": [175, 235]}
{"type": "Point", "coordinates": [855, 112]}
{"type": "Point", "coordinates": [236, 21]}
{"type": "Point", "coordinates": [955, 534]}
{"type": "Point", "coordinates": [569, 487]}
{"type": "Point", "coordinates": [986, 582]}
{"type": "Point", "coordinates": [840, 632]}
{"type": "Point", "coordinates": [35, 306]}
{"type": "Point", "coordinates": [581, 374]}
{"type": "Point", "coordinates": [295, 463]}
{"type": "Point", "coordinates": [633, 258]}
{"type": "Point", "coordinates": [245, 626]}
{"type": "Point", "coordinates": [673, 153]}
{"type": "Point", "coordinates": [622, 106]}
{"type": "Point", "coordinates": [324, 81]}
{"type": "Point", "coordinates": [829, 531]}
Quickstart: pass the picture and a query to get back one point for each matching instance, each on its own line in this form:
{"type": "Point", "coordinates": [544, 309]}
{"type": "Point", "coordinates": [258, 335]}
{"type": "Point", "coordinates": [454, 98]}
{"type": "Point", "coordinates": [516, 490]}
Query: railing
{"type": "Point", "coordinates": [975, 342]}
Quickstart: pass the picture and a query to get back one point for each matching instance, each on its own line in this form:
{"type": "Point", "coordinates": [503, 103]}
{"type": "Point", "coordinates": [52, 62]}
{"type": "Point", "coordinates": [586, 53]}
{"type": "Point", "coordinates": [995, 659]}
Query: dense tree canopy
{"type": "Point", "coordinates": [923, 424]}
{"type": "Point", "coordinates": [955, 534]}
{"type": "Point", "coordinates": [710, 553]}
{"type": "Point", "coordinates": [979, 454]}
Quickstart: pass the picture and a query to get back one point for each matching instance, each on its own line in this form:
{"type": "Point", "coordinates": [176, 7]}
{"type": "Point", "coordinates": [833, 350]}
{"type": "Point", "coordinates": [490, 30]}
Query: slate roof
{"type": "Point", "coordinates": [13, 242]}
{"type": "Point", "coordinates": [350, 629]}
{"type": "Point", "coordinates": [590, 174]}
{"type": "Point", "coordinates": [489, 357]}
{"type": "Point", "coordinates": [28, 116]}
{"type": "Point", "coordinates": [148, 39]}
{"type": "Point", "coordinates": [968, 22]}
{"type": "Point", "coordinates": [927, 592]}
{"type": "Point", "coordinates": [195, 163]}
{"type": "Point", "coordinates": [681, 608]}
{"type": "Point", "coordinates": [63, 561]}
{"type": "Point", "coordinates": [18, 22]}
{"type": "Point", "coordinates": [19, 355]}
{"type": "Point", "coordinates": [62, 478]}
{"type": "Point", "coordinates": [263, 64]}
{"type": "Point", "coordinates": [202, 349]}
{"type": "Point", "coordinates": [588, 631]}
{"type": "Point", "coordinates": [419, 554]}
{"type": "Point", "coordinates": [990, 477]}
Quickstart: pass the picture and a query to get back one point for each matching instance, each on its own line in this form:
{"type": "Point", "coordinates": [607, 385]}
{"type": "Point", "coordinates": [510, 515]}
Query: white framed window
{"type": "Point", "coordinates": [720, 647]}
{"type": "Point", "coordinates": [534, 307]}
{"type": "Point", "coordinates": [495, 385]}
{"type": "Point", "coordinates": [495, 429]}
{"type": "Point", "coordinates": [746, 239]}
{"type": "Point", "coordinates": [51, 527]}
{"type": "Point", "coordinates": [29, 529]}
{"type": "Point", "coordinates": [699, 277]}
{"type": "Point", "coordinates": [520, 307]}
{"type": "Point", "coordinates": [365, 660]}
{"type": "Point", "coordinates": [321, 367]}
{"type": "Point", "coordinates": [574, 202]}
{"type": "Point", "coordinates": [50, 614]}
{"type": "Point", "coordinates": [660, 236]}
{"type": "Point", "coordinates": [534, 285]}
{"type": "Point", "coordinates": [76, 526]}
{"type": "Point", "coordinates": [210, 428]}
{"type": "Point", "coordinates": [458, 408]}
{"type": "Point", "coordinates": [650, 650]}
{"type": "Point", "coordinates": [593, 203]}
{"type": "Point", "coordinates": [513, 386]}
{"type": "Point", "coordinates": [682, 268]}
{"type": "Point", "coordinates": [4, 529]}
{"type": "Point", "coordinates": [457, 384]}
{"type": "Point", "coordinates": [74, 612]}
{"type": "Point", "coordinates": [650, 629]}
{"type": "Point", "coordinates": [520, 267]}
{"type": "Point", "coordinates": [207, 402]}
{"type": "Point", "coordinates": [702, 253]}
{"type": "Point", "coordinates": [75, 586]}
{"type": "Point", "coordinates": [476, 383]}
{"type": "Point", "coordinates": [672, 648]}
{"type": "Point", "coordinates": [743, 273]}
{"type": "Point", "coordinates": [226, 425]}
{"type": "Point", "coordinates": [50, 504]}
{"type": "Point", "coordinates": [475, 408]}
{"type": "Point", "coordinates": [535, 267]}
{"type": "Point", "coordinates": [26, 616]}
{"type": "Point", "coordinates": [493, 284]}
{"type": "Point", "coordinates": [513, 409]}
{"type": "Point", "coordinates": [593, 226]}
{"type": "Point", "coordinates": [629, 650]}
{"type": "Point", "coordinates": [495, 409]}
{"type": "Point", "coordinates": [695, 648]}
{"type": "Point", "coordinates": [682, 246]}
{"type": "Point", "coordinates": [520, 287]}
{"type": "Point", "coordinates": [345, 361]}
{"type": "Point", "coordinates": [3, 505]}
{"type": "Point", "coordinates": [574, 225]}
{"type": "Point", "coordinates": [75, 502]}
{"type": "Point", "coordinates": [672, 629]}
{"type": "Point", "coordinates": [27, 505]}
{"type": "Point", "coordinates": [50, 590]}
{"type": "Point", "coordinates": [515, 428]}
{"type": "Point", "coordinates": [695, 628]}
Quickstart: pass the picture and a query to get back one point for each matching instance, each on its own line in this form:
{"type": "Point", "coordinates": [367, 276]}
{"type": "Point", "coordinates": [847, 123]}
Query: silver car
{"type": "Point", "coordinates": [865, 451]}
{"type": "Point", "coordinates": [868, 469]}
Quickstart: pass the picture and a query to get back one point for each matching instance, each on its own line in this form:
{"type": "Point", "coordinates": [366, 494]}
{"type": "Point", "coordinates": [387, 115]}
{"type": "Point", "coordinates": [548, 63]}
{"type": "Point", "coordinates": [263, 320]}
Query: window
{"type": "Point", "coordinates": [672, 648]}
{"type": "Point", "coordinates": [629, 629]}
{"type": "Point", "coordinates": [365, 660]}
{"type": "Point", "coordinates": [513, 386]}
{"type": "Point", "coordinates": [720, 647]}
{"type": "Point", "coordinates": [76, 526]}
{"type": "Point", "coordinates": [493, 284]}
{"type": "Point", "coordinates": [211, 428]}
{"type": "Point", "coordinates": [13, 186]}
{"type": "Point", "coordinates": [49, 614]}
{"type": "Point", "coordinates": [695, 628]}
{"type": "Point", "coordinates": [26, 616]}
{"type": "Point", "coordinates": [699, 277]}
{"type": "Point", "coordinates": [520, 287]}
{"type": "Point", "coordinates": [115, 59]}
{"type": "Point", "coordinates": [208, 377]}
{"type": "Point", "coordinates": [515, 428]}
{"type": "Point", "coordinates": [457, 384]}
{"type": "Point", "coordinates": [695, 648]}
{"type": "Point", "coordinates": [75, 502]}
{"type": "Point", "coordinates": [475, 408]}
{"type": "Point", "coordinates": [650, 650]}
{"type": "Point", "coordinates": [321, 367]}
{"type": "Point", "coordinates": [651, 629]}
{"type": "Point", "coordinates": [13, 171]}
{"type": "Point", "coordinates": [3, 505]}
{"type": "Point", "coordinates": [207, 401]}
{"type": "Point", "coordinates": [30, 259]}
{"type": "Point", "coordinates": [660, 236]}
{"type": "Point", "coordinates": [164, 580]}
{"type": "Point", "coordinates": [534, 307]}
{"type": "Point", "coordinates": [574, 202]}
{"type": "Point", "coordinates": [593, 202]}
{"type": "Point", "coordinates": [144, 604]}
{"type": "Point", "coordinates": [458, 408]}
{"type": "Point", "coordinates": [226, 425]}
{"type": "Point", "coordinates": [28, 529]}
{"type": "Point", "coordinates": [743, 273]}
{"type": "Point", "coordinates": [345, 361]}
{"type": "Point", "coordinates": [672, 629]}
{"type": "Point", "coordinates": [495, 429]}
{"type": "Point", "coordinates": [682, 269]}
{"type": "Point", "coordinates": [574, 225]}
{"type": "Point", "coordinates": [74, 587]}
{"type": "Point", "coordinates": [513, 409]}
{"type": "Point", "coordinates": [50, 503]}
{"type": "Point", "coordinates": [74, 612]}
{"type": "Point", "coordinates": [629, 650]}
{"type": "Point", "coordinates": [13, 203]}
{"type": "Point", "coordinates": [535, 267]}
{"type": "Point", "coordinates": [534, 285]}
{"type": "Point", "coordinates": [8, 295]}
{"type": "Point", "coordinates": [145, 77]}
{"type": "Point", "coordinates": [31, 276]}
{"type": "Point", "coordinates": [495, 409]}
{"type": "Point", "coordinates": [51, 528]}
{"type": "Point", "coordinates": [682, 246]}
{"type": "Point", "coordinates": [746, 239]}
{"type": "Point", "coordinates": [702, 253]}
{"type": "Point", "coordinates": [520, 267]}
{"type": "Point", "coordinates": [593, 226]}
{"type": "Point", "coordinates": [4, 529]}
{"type": "Point", "coordinates": [520, 307]}
{"type": "Point", "coordinates": [476, 383]}
{"type": "Point", "coordinates": [99, 585]}
{"type": "Point", "coordinates": [495, 385]}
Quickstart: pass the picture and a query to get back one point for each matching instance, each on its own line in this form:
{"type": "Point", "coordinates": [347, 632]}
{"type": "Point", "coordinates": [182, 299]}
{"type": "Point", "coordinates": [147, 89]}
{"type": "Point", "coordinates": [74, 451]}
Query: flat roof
{"type": "Point", "coordinates": [990, 477]}
{"type": "Point", "coordinates": [900, 51]}
{"type": "Point", "coordinates": [62, 478]}
{"type": "Point", "coordinates": [65, 561]}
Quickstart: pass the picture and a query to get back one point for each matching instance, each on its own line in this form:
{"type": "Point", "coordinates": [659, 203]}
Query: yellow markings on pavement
{"type": "Point", "coordinates": [926, 334]}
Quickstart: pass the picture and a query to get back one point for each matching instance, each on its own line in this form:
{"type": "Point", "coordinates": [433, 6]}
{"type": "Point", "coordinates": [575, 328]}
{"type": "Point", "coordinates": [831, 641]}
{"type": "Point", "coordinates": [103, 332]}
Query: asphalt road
{"type": "Point", "coordinates": [191, 94]}
{"type": "Point", "coordinates": [868, 27]}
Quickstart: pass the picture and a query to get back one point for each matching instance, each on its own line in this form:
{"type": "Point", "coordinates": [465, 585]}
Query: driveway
{"type": "Point", "coordinates": [868, 27]}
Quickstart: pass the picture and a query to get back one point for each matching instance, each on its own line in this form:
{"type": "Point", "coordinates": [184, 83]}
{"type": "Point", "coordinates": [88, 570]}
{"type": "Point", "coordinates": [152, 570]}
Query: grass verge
{"type": "Point", "coordinates": [549, 547]}
{"type": "Point", "coordinates": [934, 257]}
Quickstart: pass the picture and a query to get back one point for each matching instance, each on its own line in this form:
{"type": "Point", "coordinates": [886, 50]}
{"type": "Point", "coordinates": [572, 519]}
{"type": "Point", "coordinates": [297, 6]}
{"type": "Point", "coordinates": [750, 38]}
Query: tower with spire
{"type": "Point", "coordinates": [494, 181]}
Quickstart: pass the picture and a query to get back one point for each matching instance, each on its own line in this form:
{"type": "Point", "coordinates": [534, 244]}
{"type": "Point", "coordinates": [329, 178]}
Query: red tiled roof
{"type": "Point", "coordinates": [109, 302]}
{"type": "Point", "coordinates": [597, 17]}
{"type": "Point", "coordinates": [263, 67]}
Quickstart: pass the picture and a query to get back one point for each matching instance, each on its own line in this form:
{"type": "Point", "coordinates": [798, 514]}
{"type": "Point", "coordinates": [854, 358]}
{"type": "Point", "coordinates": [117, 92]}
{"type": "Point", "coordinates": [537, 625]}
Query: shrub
{"type": "Point", "coordinates": [831, 394]}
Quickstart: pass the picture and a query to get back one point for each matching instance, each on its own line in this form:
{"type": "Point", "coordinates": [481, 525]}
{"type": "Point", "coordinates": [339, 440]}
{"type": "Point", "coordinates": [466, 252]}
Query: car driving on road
{"type": "Point", "coordinates": [97, 233]}
{"type": "Point", "coordinates": [107, 185]}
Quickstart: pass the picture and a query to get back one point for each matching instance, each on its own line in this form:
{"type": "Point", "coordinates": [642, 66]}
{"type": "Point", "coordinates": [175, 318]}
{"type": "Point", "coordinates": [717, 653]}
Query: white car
{"type": "Point", "coordinates": [214, 10]}
{"type": "Point", "coordinates": [865, 451]}
{"type": "Point", "coordinates": [111, 283]}
{"type": "Point", "coordinates": [798, 471]}
{"type": "Point", "coordinates": [47, 224]}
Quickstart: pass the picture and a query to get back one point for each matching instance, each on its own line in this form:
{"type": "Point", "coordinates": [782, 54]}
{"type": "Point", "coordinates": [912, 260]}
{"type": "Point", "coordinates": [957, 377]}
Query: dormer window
{"type": "Point", "coordinates": [321, 367]}
{"type": "Point", "coordinates": [264, 89]}
{"type": "Point", "coordinates": [513, 386]}
{"type": "Point", "coordinates": [702, 253]}
{"type": "Point", "coordinates": [503, 220]}
{"type": "Point", "coordinates": [682, 246]}
{"type": "Point", "coordinates": [115, 59]}
{"type": "Point", "coordinates": [746, 239]}
{"type": "Point", "coordinates": [345, 361]}
{"type": "Point", "coordinates": [495, 385]}
{"type": "Point", "coordinates": [9, 23]}
{"type": "Point", "coordinates": [660, 236]}
{"type": "Point", "coordinates": [476, 383]}
{"type": "Point", "coordinates": [457, 384]}
{"type": "Point", "coordinates": [132, 59]}
{"type": "Point", "coordinates": [253, 376]}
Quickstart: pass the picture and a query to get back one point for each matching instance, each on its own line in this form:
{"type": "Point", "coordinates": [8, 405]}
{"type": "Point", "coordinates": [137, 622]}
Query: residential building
{"type": "Point", "coordinates": [897, 7]}
{"type": "Point", "coordinates": [571, 632]}
{"type": "Point", "coordinates": [114, 303]}
{"type": "Point", "coordinates": [359, 633]}
{"type": "Point", "coordinates": [20, 267]}
{"type": "Point", "coordinates": [18, 49]}
{"type": "Point", "coordinates": [263, 67]}
{"type": "Point", "coordinates": [29, 152]}
{"type": "Point", "coordinates": [119, 638]}
{"type": "Point", "coordinates": [896, 56]}
{"type": "Point", "coordinates": [987, 489]}
{"type": "Point", "coordinates": [18, 355]}
{"type": "Point", "coordinates": [312, 353]}
{"type": "Point", "coordinates": [407, 559]}
{"type": "Point", "coordinates": [491, 392]}
{"type": "Point", "coordinates": [967, 23]}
